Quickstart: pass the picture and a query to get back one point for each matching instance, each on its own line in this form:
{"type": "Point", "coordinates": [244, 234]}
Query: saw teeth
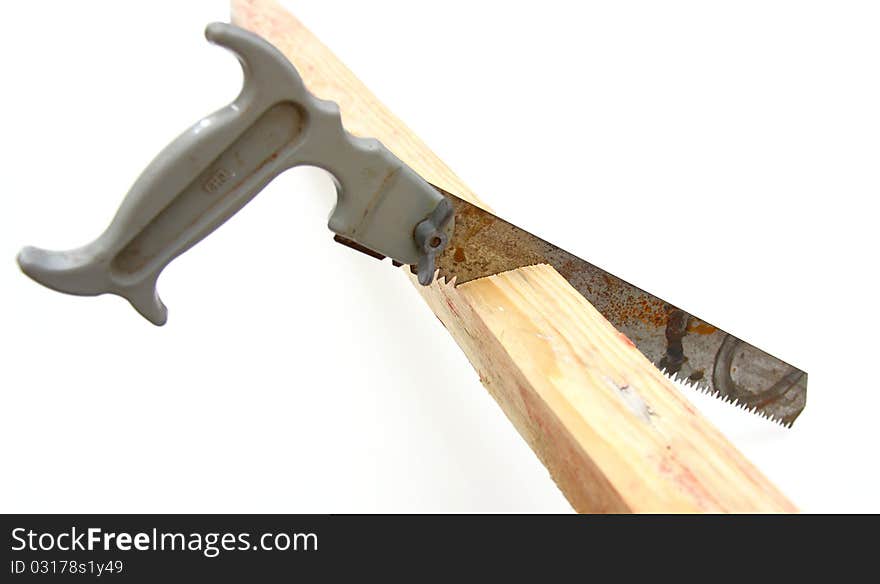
{"type": "Point", "coordinates": [443, 279]}
{"type": "Point", "coordinates": [703, 388]}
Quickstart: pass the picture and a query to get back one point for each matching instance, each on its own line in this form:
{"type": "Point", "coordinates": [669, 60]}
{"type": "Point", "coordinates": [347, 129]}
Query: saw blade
{"type": "Point", "coordinates": [685, 347]}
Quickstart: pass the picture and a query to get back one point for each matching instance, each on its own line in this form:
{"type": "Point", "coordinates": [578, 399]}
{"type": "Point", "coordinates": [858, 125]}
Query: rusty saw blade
{"type": "Point", "coordinates": [682, 345]}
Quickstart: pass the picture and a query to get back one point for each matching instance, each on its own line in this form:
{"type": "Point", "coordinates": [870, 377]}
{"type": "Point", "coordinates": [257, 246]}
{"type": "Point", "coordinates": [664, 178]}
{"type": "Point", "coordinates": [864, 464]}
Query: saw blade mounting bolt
{"type": "Point", "coordinates": [431, 239]}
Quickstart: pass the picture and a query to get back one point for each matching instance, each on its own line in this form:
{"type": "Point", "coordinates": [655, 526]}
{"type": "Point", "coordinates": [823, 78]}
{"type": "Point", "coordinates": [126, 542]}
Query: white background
{"type": "Point", "coordinates": [722, 155]}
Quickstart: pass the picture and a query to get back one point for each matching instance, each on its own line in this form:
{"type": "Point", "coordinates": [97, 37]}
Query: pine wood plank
{"type": "Point", "coordinates": [614, 433]}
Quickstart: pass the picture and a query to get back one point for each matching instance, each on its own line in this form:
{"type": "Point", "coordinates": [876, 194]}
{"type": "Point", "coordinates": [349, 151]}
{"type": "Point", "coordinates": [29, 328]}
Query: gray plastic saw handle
{"type": "Point", "coordinates": [214, 168]}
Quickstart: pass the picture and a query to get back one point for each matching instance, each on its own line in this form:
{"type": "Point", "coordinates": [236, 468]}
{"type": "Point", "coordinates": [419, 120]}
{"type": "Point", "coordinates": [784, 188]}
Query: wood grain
{"type": "Point", "coordinates": [614, 433]}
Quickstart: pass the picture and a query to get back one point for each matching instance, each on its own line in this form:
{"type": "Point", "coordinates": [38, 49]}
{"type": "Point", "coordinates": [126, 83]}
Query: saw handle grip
{"type": "Point", "coordinates": [219, 164]}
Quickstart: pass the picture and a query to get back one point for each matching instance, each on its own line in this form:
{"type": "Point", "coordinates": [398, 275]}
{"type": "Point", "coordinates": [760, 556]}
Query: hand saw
{"type": "Point", "coordinates": [383, 209]}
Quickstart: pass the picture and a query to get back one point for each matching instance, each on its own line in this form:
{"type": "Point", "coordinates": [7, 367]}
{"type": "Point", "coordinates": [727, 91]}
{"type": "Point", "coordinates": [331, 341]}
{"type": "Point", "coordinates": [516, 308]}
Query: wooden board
{"type": "Point", "coordinates": [615, 434]}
